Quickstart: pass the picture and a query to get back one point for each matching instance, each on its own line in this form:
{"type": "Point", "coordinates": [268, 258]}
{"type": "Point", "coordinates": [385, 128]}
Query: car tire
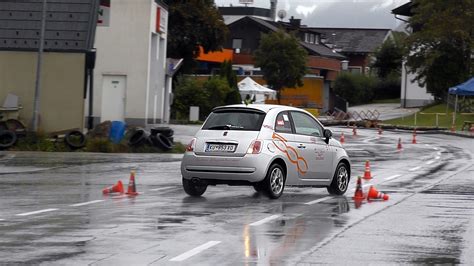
{"type": "Point", "coordinates": [7, 139]}
{"type": "Point", "coordinates": [193, 189]}
{"type": "Point", "coordinates": [138, 137]}
{"type": "Point", "coordinates": [340, 181]}
{"type": "Point", "coordinates": [72, 143]}
{"type": "Point", "coordinates": [162, 142]}
{"type": "Point", "coordinates": [274, 182]}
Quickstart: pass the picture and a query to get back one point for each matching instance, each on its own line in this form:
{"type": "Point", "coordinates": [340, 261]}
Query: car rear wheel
{"type": "Point", "coordinates": [340, 181]}
{"type": "Point", "coordinates": [194, 189]}
{"type": "Point", "coordinates": [274, 182]}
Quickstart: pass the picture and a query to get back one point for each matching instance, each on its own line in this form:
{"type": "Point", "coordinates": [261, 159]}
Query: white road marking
{"type": "Point", "coordinates": [435, 149]}
{"type": "Point", "coordinates": [438, 153]}
{"type": "Point", "coordinates": [415, 168]}
{"type": "Point", "coordinates": [2, 220]}
{"type": "Point", "coordinates": [437, 158]}
{"type": "Point", "coordinates": [429, 162]}
{"type": "Point", "coordinates": [195, 251]}
{"type": "Point", "coordinates": [317, 201]}
{"type": "Point", "coordinates": [85, 203]}
{"type": "Point", "coordinates": [392, 177]}
{"type": "Point", "coordinates": [264, 220]}
{"type": "Point", "coordinates": [160, 188]}
{"type": "Point", "coordinates": [36, 212]}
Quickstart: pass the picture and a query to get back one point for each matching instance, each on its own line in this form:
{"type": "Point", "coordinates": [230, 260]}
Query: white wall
{"type": "Point", "coordinates": [412, 95]}
{"type": "Point", "coordinates": [125, 48]}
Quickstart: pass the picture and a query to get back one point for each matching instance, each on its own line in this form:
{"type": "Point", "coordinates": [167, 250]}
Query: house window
{"type": "Point", "coordinates": [316, 38]}
{"type": "Point", "coordinates": [355, 69]}
{"type": "Point", "coordinates": [236, 43]}
{"type": "Point", "coordinates": [306, 37]}
{"type": "Point", "coordinates": [311, 38]}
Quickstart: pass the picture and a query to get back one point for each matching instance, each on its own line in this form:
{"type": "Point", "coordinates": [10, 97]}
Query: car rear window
{"type": "Point", "coordinates": [246, 120]}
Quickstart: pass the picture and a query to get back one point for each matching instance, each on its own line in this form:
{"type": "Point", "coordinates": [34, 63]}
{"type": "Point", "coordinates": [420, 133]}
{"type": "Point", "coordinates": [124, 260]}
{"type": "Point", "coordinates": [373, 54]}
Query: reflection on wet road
{"type": "Point", "coordinates": [53, 211]}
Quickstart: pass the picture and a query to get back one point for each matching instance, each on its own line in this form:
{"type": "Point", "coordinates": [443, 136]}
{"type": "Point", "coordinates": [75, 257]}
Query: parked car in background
{"type": "Point", "coordinates": [267, 147]}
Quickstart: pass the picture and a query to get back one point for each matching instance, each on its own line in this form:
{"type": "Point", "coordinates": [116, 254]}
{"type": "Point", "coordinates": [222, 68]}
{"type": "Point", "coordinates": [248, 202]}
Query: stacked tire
{"type": "Point", "coordinates": [162, 138]}
{"type": "Point", "coordinates": [7, 139]}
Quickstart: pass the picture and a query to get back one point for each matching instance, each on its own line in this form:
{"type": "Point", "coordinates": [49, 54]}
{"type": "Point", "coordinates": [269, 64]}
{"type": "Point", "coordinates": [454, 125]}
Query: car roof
{"type": "Point", "coordinates": [261, 107]}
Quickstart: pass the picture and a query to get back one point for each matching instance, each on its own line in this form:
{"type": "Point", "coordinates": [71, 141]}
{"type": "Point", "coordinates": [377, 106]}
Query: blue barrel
{"type": "Point", "coordinates": [117, 131]}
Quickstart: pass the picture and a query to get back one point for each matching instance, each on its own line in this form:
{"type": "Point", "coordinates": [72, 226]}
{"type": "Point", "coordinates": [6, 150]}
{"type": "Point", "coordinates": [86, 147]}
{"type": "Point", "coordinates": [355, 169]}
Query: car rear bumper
{"type": "Point", "coordinates": [249, 168]}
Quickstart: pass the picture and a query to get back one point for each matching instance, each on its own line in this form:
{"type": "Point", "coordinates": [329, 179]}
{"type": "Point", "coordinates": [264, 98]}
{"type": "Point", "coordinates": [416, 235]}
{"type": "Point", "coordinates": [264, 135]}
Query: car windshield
{"type": "Point", "coordinates": [235, 120]}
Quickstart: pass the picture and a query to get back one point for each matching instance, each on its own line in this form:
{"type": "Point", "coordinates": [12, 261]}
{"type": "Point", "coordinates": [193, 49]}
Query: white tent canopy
{"type": "Point", "coordinates": [248, 86]}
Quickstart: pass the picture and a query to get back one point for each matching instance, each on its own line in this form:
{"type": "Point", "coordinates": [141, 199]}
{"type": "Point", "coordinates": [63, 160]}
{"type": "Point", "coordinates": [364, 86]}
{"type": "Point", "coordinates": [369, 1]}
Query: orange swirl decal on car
{"type": "Point", "coordinates": [291, 153]}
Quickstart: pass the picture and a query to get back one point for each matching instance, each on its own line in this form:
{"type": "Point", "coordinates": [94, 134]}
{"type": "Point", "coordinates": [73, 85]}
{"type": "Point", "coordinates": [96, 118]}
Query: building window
{"type": "Point", "coordinates": [236, 43]}
{"type": "Point", "coordinates": [311, 38]}
{"type": "Point", "coordinates": [355, 69]}
{"type": "Point", "coordinates": [316, 38]}
{"type": "Point", "coordinates": [306, 37]}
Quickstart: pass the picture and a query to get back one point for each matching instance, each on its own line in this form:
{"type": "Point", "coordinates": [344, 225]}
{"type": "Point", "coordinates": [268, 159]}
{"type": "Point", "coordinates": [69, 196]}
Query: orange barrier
{"type": "Point", "coordinates": [132, 189]}
{"type": "Point", "coordinates": [367, 174]}
{"type": "Point", "coordinates": [374, 194]}
{"type": "Point", "coordinates": [117, 188]}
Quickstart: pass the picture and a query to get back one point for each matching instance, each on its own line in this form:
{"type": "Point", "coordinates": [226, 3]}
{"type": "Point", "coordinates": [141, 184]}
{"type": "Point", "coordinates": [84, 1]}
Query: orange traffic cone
{"type": "Point", "coordinates": [399, 146]}
{"type": "Point", "coordinates": [367, 175]}
{"type": "Point", "coordinates": [354, 130]}
{"type": "Point", "coordinates": [380, 131]}
{"type": "Point", "coordinates": [117, 188]}
{"type": "Point", "coordinates": [374, 194]}
{"type": "Point", "coordinates": [132, 189]}
{"type": "Point", "coordinates": [342, 138]}
{"type": "Point", "coordinates": [359, 194]}
{"type": "Point", "coordinates": [413, 141]}
{"type": "Point", "coordinates": [453, 128]}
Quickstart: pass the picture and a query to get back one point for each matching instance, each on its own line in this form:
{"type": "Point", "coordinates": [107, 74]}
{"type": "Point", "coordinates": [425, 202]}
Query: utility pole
{"type": "Point", "coordinates": [38, 70]}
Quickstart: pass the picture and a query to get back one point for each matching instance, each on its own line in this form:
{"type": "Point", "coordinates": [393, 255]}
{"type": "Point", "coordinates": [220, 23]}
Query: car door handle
{"type": "Point", "coordinates": [301, 146]}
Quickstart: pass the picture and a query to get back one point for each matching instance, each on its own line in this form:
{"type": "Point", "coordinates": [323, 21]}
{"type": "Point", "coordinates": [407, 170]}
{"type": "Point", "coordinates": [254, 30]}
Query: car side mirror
{"type": "Point", "coordinates": [327, 134]}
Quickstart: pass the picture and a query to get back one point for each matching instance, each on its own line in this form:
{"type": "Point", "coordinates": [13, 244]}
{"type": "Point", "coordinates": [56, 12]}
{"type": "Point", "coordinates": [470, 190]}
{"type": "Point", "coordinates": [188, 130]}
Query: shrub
{"type": "Point", "coordinates": [355, 88]}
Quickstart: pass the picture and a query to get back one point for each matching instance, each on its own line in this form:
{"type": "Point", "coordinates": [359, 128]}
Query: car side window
{"type": "Point", "coordinates": [282, 123]}
{"type": "Point", "coordinates": [306, 125]}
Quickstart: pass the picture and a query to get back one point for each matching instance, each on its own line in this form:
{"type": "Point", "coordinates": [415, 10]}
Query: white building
{"type": "Point", "coordinates": [130, 82]}
{"type": "Point", "coordinates": [412, 94]}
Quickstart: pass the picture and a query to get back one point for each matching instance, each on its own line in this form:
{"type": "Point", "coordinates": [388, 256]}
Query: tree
{"type": "Point", "coordinates": [228, 73]}
{"type": "Point", "coordinates": [194, 23]}
{"type": "Point", "coordinates": [193, 92]}
{"type": "Point", "coordinates": [282, 60]}
{"type": "Point", "coordinates": [389, 56]}
{"type": "Point", "coordinates": [441, 44]}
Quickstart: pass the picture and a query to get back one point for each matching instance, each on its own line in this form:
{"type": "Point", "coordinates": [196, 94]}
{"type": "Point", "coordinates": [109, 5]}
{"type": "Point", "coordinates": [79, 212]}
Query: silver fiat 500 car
{"type": "Point", "coordinates": [267, 147]}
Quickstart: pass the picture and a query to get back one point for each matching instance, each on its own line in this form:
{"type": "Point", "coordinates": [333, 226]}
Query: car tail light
{"type": "Point", "coordinates": [255, 147]}
{"type": "Point", "coordinates": [191, 145]}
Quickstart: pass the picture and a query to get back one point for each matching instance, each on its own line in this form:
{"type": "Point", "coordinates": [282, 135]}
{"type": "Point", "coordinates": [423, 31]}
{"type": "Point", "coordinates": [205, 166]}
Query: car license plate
{"type": "Point", "coordinates": [211, 147]}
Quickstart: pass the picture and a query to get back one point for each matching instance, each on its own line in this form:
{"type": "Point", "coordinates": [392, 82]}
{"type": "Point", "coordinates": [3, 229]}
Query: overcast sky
{"type": "Point", "coordinates": [335, 13]}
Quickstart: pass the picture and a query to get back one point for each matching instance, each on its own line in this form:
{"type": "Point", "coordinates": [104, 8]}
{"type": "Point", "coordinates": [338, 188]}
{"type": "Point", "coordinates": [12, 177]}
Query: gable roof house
{"type": "Point", "coordinates": [54, 101]}
{"type": "Point", "coordinates": [323, 63]}
{"type": "Point", "coordinates": [357, 44]}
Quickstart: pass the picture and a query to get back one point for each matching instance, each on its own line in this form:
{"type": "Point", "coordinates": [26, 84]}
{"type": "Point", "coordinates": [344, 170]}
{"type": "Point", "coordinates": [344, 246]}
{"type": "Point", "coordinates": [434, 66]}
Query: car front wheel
{"type": "Point", "coordinates": [192, 188]}
{"type": "Point", "coordinates": [340, 181]}
{"type": "Point", "coordinates": [274, 182]}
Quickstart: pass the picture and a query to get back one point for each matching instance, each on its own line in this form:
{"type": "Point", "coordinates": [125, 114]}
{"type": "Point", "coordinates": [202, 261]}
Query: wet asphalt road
{"type": "Point", "coordinates": [53, 211]}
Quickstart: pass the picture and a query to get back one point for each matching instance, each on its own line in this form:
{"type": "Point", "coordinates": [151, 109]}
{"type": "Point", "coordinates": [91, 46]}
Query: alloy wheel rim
{"type": "Point", "coordinates": [276, 181]}
{"type": "Point", "coordinates": [342, 179]}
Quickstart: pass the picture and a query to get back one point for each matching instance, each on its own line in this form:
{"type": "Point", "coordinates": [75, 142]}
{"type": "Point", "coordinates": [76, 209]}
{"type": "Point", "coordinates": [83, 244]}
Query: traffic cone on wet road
{"type": "Point", "coordinates": [380, 131]}
{"type": "Point", "coordinates": [359, 193]}
{"type": "Point", "coordinates": [342, 138]}
{"type": "Point", "coordinates": [117, 188]}
{"type": "Point", "coordinates": [354, 130]}
{"type": "Point", "coordinates": [367, 174]}
{"type": "Point", "coordinates": [374, 194]}
{"type": "Point", "coordinates": [399, 146]}
{"type": "Point", "coordinates": [453, 128]}
{"type": "Point", "coordinates": [413, 141]}
{"type": "Point", "coordinates": [132, 189]}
